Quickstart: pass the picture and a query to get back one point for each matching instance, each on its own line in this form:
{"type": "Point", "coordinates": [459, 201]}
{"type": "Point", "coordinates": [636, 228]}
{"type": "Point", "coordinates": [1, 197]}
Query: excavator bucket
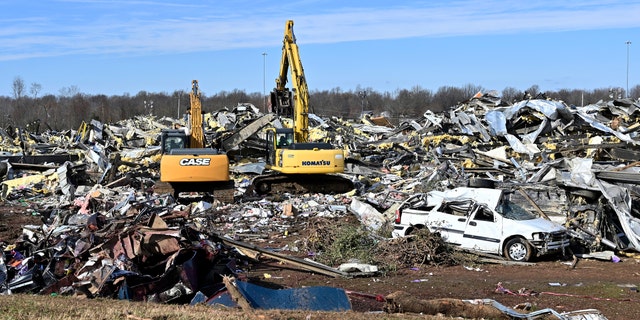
{"type": "Point", "coordinates": [282, 103]}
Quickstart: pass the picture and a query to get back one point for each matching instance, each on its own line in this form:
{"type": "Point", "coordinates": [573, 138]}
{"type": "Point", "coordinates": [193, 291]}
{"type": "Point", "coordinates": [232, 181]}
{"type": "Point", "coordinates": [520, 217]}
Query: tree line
{"type": "Point", "coordinates": [71, 107]}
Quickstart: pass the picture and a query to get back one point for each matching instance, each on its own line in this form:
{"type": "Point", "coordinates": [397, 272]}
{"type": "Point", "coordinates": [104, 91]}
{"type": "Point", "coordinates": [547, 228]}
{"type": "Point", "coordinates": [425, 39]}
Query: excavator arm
{"type": "Point", "coordinates": [281, 97]}
{"type": "Point", "coordinates": [195, 117]}
{"type": "Point", "coordinates": [298, 166]}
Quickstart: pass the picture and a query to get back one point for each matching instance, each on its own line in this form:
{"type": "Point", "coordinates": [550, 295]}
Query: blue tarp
{"type": "Point", "coordinates": [220, 298]}
{"type": "Point", "coordinates": [309, 298]}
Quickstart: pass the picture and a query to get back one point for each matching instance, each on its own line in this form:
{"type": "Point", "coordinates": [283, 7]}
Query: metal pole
{"type": "Point", "coordinates": [179, 96]}
{"type": "Point", "coordinates": [628, 44]}
{"type": "Point", "coordinates": [363, 95]}
{"type": "Point", "coordinates": [264, 75]}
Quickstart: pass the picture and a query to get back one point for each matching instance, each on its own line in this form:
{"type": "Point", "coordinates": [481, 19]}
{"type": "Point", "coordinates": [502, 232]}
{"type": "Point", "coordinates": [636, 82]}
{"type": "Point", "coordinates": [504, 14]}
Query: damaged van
{"type": "Point", "coordinates": [481, 219]}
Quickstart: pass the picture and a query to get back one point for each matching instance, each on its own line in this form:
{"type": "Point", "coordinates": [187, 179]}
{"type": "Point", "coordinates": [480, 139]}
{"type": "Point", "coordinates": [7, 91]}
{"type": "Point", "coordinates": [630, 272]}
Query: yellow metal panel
{"type": "Point", "coordinates": [310, 161]}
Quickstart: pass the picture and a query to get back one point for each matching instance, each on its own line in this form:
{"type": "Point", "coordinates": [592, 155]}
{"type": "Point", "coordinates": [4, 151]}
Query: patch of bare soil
{"type": "Point", "coordinates": [607, 286]}
{"type": "Point", "coordinates": [553, 283]}
{"type": "Point", "coordinates": [12, 218]}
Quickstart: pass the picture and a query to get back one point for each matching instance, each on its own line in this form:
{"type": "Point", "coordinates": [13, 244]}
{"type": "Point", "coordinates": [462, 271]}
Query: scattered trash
{"type": "Point", "coordinates": [557, 284]}
{"type": "Point", "coordinates": [109, 229]}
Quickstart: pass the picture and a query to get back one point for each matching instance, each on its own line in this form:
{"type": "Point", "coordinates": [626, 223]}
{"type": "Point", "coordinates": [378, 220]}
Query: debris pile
{"type": "Point", "coordinates": [107, 232]}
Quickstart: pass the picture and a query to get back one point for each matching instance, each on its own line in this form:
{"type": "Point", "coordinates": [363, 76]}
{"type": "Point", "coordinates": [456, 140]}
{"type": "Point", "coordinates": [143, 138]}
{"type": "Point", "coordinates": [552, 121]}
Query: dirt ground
{"type": "Point", "coordinates": [591, 284]}
{"type": "Point", "coordinates": [552, 283]}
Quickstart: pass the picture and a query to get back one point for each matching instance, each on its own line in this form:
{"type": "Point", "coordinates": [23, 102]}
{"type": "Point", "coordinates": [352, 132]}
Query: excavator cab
{"type": "Point", "coordinates": [172, 140]}
{"type": "Point", "coordinates": [277, 139]}
{"type": "Point", "coordinates": [284, 137]}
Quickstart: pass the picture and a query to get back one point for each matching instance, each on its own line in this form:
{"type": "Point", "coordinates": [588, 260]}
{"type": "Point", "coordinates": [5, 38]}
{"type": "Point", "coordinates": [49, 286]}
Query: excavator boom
{"type": "Point", "coordinates": [195, 115]}
{"type": "Point", "coordinates": [298, 164]}
{"type": "Point", "coordinates": [299, 109]}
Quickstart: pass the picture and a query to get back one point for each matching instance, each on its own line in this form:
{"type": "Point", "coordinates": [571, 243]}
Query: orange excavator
{"type": "Point", "coordinates": [187, 165]}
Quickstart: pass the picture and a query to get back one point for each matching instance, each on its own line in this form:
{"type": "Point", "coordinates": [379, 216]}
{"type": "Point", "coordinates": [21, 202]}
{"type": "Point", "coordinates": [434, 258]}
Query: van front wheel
{"type": "Point", "coordinates": [518, 249]}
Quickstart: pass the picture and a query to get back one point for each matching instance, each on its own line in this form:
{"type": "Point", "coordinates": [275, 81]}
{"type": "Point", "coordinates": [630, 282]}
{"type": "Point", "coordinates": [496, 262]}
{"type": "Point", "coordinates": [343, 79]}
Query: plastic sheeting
{"type": "Point", "coordinates": [620, 200]}
{"type": "Point", "coordinates": [309, 298]}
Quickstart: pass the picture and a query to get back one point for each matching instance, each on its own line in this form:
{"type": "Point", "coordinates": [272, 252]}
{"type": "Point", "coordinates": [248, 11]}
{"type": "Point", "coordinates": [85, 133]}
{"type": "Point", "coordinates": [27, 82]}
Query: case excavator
{"type": "Point", "coordinates": [297, 164]}
{"type": "Point", "coordinates": [187, 165]}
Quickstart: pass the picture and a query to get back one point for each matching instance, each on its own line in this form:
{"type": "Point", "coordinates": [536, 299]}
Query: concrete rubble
{"type": "Point", "coordinates": [107, 233]}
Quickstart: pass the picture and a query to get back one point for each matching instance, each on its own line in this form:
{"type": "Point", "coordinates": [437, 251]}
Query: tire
{"type": "Point", "coordinates": [409, 231]}
{"type": "Point", "coordinates": [413, 229]}
{"type": "Point", "coordinates": [518, 249]}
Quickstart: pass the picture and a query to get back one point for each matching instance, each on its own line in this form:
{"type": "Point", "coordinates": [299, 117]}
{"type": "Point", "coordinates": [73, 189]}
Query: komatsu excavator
{"type": "Point", "coordinates": [298, 165]}
{"type": "Point", "coordinates": [187, 165]}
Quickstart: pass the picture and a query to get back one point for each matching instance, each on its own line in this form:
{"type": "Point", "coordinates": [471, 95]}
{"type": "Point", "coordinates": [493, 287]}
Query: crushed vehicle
{"type": "Point", "coordinates": [483, 220]}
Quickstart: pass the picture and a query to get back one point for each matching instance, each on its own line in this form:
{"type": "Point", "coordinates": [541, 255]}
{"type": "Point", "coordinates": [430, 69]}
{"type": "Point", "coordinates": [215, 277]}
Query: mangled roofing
{"type": "Point", "coordinates": [97, 186]}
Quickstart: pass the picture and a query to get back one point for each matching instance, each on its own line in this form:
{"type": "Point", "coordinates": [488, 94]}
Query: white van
{"type": "Point", "coordinates": [483, 220]}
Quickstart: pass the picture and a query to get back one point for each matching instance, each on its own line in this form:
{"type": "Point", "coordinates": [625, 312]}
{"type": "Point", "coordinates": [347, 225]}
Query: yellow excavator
{"type": "Point", "coordinates": [187, 165]}
{"type": "Point", "coordinates": [298, 165]}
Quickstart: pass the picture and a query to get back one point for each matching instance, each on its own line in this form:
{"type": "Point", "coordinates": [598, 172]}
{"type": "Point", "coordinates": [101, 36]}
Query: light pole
{"type": "Point", "coordinates": [628, 45]}
{"type": "Point", "coordinates": [264, 75]}
{"type": "Point", "coordinates": [179, 96]}
{"type": "Point", "coordinates": [363, 95]}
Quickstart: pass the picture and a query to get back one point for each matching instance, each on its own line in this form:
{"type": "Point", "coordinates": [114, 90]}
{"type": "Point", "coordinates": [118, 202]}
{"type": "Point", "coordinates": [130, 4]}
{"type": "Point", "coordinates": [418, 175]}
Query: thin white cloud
{"type": "Point", "coordinates": [155, 27]}
{"type": "Point", "coordinates": [111, 3]}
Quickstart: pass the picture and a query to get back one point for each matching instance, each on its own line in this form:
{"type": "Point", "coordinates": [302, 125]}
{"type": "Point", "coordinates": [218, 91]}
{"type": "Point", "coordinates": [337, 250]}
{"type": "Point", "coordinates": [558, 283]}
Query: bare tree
{"type": "Point", "coordinates": [635, 92]}
{"type": "Point", "coordinates": [511, 94]}
{"type": "Point", "coordinates": [69, 108]}
{"type": "Point", "coordinates": [80, 111]}
{"type": "Point", "coordinates": [569, 96]}
{"type": "Point", "coordinates": [18, 88]}
{"type": "Point", "coordinates": [532, 92]}
{"type": "Point", "coordinates": [49, 106]}
{"type": "Point", "coordinates": [470, 90]}
{"type": "Point", "coordinates": [447, 97]}
{"type": "Point", "coordinates": [69, 91]}
{"type": "Point", "coordinates": [35, 89]}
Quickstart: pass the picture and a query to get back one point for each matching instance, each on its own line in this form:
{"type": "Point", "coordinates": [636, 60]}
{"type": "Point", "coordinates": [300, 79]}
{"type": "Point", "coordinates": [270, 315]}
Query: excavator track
{"type": "Point", "coordinates": [270, 184]}
{"type": "Point", "coordinates": [222, 191]}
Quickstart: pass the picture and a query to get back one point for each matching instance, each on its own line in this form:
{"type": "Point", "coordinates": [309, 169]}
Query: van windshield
{"type": "Point", "coordinates": [513, 211]}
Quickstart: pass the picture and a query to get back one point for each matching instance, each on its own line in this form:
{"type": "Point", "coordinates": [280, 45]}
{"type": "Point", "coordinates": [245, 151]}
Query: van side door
{"type": "Point", "coordinates": [450, 220]}
{"type": "Point", "coordinates": [483, 231]}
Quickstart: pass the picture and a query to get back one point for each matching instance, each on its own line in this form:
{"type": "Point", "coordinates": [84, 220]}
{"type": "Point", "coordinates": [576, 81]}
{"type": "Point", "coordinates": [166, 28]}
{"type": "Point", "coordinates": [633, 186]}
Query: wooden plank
{"type": "Point", "coordinates": [305, 264]}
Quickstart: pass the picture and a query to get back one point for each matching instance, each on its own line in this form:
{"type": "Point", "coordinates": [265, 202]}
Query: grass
{"type": "Point", "coordinates": [23, 306]}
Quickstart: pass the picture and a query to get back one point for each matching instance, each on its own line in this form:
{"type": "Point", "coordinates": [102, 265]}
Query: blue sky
{"type": "Point", "coordinates": [119, 47]}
